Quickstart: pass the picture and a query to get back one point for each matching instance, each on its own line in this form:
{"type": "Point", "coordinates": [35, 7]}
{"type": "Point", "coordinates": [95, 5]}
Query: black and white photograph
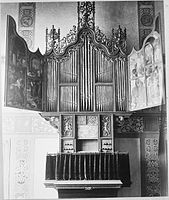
{"type": "Point", "coordinates": [84, 99]}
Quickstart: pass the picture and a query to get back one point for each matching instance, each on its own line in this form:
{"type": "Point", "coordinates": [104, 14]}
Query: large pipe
{"type": "Point", "coordinates": [89, 68]}
{"type": "Point", "coordinates": [83, 74]}
{"type": "Point", "coordinates": [86, 73]}
{"type": "Point", "coordinates": [53, 100]}
{"type": "Point", "coordinates": [91, 74]}
{"type": "Point", "coordinates": [117, 81]}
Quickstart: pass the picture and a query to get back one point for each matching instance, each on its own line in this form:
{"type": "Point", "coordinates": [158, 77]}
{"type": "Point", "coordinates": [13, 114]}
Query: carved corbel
{"type": "Point", "coordinates": [53, 120]}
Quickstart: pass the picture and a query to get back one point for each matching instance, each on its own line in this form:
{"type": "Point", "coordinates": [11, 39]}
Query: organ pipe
{"type": "Point", "coordinates": [88, 81]}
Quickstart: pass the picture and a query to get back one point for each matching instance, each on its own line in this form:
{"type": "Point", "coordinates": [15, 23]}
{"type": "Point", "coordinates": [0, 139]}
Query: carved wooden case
{"type": "Point", "coordinates": [86, 133]}
{"type": "Point", "coordinates": [83, 72]}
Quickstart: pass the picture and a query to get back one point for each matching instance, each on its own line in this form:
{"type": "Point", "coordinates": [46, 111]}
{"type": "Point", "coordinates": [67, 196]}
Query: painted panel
{"type": "Point", "coordinates": [146, 74]}
{"type": "Point", "coordinates": [23, 81]}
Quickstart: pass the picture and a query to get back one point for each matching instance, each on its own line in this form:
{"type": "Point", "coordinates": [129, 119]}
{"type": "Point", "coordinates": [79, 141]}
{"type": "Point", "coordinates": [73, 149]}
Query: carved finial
{"type": "Point", "coordinates": [119, 39]}
{"type": "Point", "coordinates": [86, 14]}
{"type": "Point", "coordinates": [52, 38]}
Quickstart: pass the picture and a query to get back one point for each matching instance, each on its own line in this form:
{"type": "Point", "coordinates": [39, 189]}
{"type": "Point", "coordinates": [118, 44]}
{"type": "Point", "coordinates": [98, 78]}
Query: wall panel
{"type": "Point", "coordinates": [128, 144]}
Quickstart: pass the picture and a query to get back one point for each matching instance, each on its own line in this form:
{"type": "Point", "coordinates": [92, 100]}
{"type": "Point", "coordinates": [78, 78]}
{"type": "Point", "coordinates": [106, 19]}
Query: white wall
{"type": "Point", "coordinates": [42, 147]}
{"type": "Point", "coordinates": [27, 138]}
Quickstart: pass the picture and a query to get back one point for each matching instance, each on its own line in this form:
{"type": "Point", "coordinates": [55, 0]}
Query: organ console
{"type": "Point", "coordinates": [80, 85]}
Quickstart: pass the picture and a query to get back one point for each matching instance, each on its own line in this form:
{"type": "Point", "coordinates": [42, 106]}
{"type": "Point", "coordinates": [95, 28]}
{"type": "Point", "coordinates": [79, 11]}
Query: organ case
{"type": "Point", "coordinates": [82, 81]}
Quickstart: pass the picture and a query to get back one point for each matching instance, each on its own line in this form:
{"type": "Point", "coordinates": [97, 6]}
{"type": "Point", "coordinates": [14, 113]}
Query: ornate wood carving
{"type": "Point", "coordinates": [86, 14]}
{"type": "Point", "coordinates": [54, 121]}
{"type": "Point", "coordinates": [67, 126]}
{"type": "Point", "coordinates": [115, 43]}
{"type": "Point", "coordinates": [54, 42]}
{"type": "Point", "coordinates": [105, 125]}
{"type": "Point", "coordinates": [128, 124]}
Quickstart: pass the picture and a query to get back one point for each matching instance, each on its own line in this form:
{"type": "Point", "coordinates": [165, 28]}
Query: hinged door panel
{"type": "Point", "coordinates": [24, 72]}
{"type": "Point", "coordinates": [146, 73]}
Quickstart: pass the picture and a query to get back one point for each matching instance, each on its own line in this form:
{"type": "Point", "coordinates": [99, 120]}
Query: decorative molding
{"type": "Point", "coordinates": [116, 42]}
{"type": "Point", "coordinates": [128, 124]}
{"type": "Point", "coordinates": [26, 25]}
{"type": "Point", "coordinates": [145, 19]}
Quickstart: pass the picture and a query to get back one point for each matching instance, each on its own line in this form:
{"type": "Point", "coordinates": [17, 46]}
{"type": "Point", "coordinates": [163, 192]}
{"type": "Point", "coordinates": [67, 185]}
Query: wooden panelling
{"type": "Point", "coordinates": [151, 123]}
{"type": "Point", "coordinates": [128, 144]}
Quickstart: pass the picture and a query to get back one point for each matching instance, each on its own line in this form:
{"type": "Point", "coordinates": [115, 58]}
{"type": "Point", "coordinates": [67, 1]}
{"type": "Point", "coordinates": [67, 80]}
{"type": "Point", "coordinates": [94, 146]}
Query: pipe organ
{"type": "Point", "coordinates": [86, 78]}
{"type": "Point", "coordinates": [81, 84]}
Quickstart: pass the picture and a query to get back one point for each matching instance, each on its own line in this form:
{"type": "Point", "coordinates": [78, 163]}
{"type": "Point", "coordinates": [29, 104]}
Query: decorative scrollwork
{"type": "Point", "coordinates": [101, 37]}
{"type": "Point", "coordinates": [129, 124]}
{"type": "Point", "coordinates": [86, 19]}
{"type": "Point", "coordinates": [119, 39]}
{"type": "Point", "coordinates": [69, 39]}
{"type": "Point", "coordinates": [86, 14]}
{"type": "Point", "coordinates": [116, 42]}
{"type": "Point", "coordinates": [53, 40]}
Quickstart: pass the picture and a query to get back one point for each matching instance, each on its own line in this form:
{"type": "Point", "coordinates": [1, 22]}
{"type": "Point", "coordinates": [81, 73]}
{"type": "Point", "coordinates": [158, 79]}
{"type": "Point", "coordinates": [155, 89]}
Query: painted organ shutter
{"type": "Point", "coordinates": [146, 72]}
{"type": "Point", "coordinates": [24, 72]}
